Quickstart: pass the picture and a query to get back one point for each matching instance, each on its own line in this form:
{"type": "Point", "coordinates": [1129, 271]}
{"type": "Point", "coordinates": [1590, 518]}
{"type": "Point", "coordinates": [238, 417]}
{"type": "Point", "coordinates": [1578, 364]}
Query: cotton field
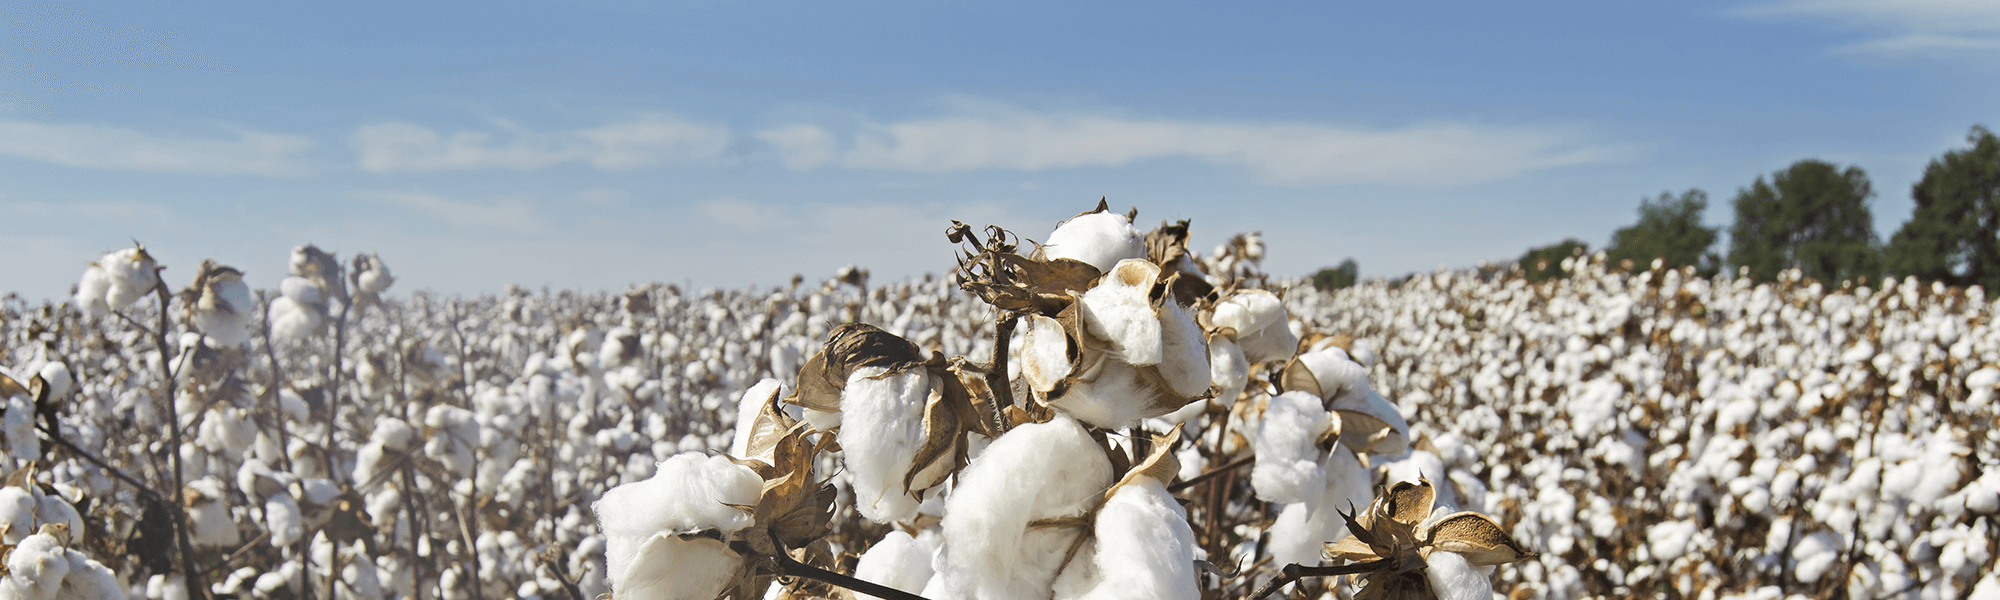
{"type": "Point", "coordinates": [1165, 423]}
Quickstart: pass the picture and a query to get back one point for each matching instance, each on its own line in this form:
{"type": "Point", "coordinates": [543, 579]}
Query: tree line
{"type": "Point", "coordinates": [1814, 216]}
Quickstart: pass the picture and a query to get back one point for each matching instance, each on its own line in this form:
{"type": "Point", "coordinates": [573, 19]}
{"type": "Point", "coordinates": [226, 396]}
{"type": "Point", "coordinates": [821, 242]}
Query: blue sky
{"type": "Point", "coordinates": [733, 143]}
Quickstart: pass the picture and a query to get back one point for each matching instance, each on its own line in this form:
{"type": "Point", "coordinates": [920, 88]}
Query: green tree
{"type": "Point", "coordinates": [1545, 262]}
{"type": "Point", "coordinates": [1813, 216]}
{"type": "Point", "coordinates": [1334, 278]}
{"type": "Point", "coordinates": [1955, 234]}
{"type": "Point", "coordinates": [1669, 229]}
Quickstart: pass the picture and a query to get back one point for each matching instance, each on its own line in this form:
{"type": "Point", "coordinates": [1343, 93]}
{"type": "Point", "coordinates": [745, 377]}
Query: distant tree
{"type": "Point", "coordinates": [1813, 216]}
{"type": "Point", "coordinates": [1955, 234]}
{"type": "Point", "coordinates": [1545, 263]}
{"type": "Point", "coordinates": [1334, 278]}
{"type": "Point", "coordinates": [1669, 229]}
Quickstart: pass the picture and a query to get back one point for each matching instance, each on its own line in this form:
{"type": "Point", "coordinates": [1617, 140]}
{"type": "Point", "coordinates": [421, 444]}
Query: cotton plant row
{"type": "Point", "coordinates": [1655, 433]}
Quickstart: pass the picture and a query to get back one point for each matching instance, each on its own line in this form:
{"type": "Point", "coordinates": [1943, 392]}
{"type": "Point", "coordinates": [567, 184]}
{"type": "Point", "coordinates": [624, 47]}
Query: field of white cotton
{"type": "Point", "coordinates": [1166, 424]}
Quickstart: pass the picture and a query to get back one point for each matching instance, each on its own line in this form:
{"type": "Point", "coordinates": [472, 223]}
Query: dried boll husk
{"type": "Point", "coordinates": [1136, 353]}
{"type": "Point", "coordinates": [1370, 422]}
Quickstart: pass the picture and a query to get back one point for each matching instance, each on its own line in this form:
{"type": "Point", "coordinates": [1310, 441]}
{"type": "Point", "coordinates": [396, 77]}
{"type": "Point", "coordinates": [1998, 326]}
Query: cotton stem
{"type": "Point", "coordinates": [197, 584]}
{"type": "Point", "coordinates": [1294, 572]}
{"type": "Point", "coordinates": [794, 568]}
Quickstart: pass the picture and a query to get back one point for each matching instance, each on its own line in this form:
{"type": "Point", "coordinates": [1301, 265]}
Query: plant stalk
{"type": "Point", "coordinates": [1295, 572]}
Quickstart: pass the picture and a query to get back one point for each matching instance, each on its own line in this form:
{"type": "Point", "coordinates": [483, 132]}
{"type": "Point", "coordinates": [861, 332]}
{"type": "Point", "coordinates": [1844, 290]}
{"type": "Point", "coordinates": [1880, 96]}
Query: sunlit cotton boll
{"type": "Point", "coordinates": [899, 561]}
{"type": "Point", "coordinates": [223, 310]}
{"type": "Point", "coordinates": [882, 428]}
{"type": "Point", "coordinates": [131, 274]}
{"type": "Point", "coordinates": [1145, 547]}
{"type": "Point", "coordinates": [1288, 455]}
{"type": "Point", "coordinates": [687, 493]}
{"type": "Point", "coordinates": [36, 568]}
{"type": "Point", "coordinates": [1035, 471]}
{"type": "Point", "coordinates": [1259, 319]}
{"type": "Point", "coordinates": [1118, 311]}
{"type": "Point", "coordinates": [17, 513]}
{"type": "Point", "coordinates": [1101, 239]}
{"type": "Point", "coordinates": [373, 276]}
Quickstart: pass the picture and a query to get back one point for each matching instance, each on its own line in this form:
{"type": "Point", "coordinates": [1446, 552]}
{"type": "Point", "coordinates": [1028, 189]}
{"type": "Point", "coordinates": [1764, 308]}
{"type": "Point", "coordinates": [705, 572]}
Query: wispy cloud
{"type": "Point", "coordinates": [648, 139]}
{"type": "Point", "coordinates": [1290, 153]}
{"type": "Point", "coordinates": [117, 149]}
{"type": "Point", "coordinates": [506, 213]}
{"type": "Point", "coordinates": [1900, 27]}
{"type": "Point", "coordinates": [744, 214]}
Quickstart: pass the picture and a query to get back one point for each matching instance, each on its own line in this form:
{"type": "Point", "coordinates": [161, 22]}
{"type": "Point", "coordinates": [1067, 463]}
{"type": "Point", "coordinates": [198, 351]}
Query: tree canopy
{"type": "Point", "coordinates": [1812, 215]}
{"type": "Point", "coordinates": [1669, 229]}
{"type": "Point", "coordinates": [1545, 263]}
{"type": "Point", "coordinates": [1952, 235]}
{"type": "Point", "coordinates": [1334, 278]}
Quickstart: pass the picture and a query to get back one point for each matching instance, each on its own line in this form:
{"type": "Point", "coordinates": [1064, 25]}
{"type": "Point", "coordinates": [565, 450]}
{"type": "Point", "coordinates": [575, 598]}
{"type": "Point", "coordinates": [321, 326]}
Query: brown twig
{"type": "Point", "coordinates": [1211, 474]}
{"type": "Point", "coordinates": [197, 583]}
{"type": "Point", "coordinates": [1294, 572]}
{"type": "Point", "coordinates": [793, 568]}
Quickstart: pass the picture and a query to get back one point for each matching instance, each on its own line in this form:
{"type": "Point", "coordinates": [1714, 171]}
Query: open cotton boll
{"type": "Point", "coordinates": [17, 514]}
{"type": "Point", "coordinates": [284, 520]}
{"type": "Point", "coordinates": [1044, 355]}
{"type": "Point", "coordinates": [1184, 352]}
{"type": "Point", "coordinates": [57, 376]}
{"type": "Point", "coordinates": [1035, 471]}
{"type": "Point", "coordinates": [1109, 395]}
{"type": "Point", "coordinates": [688, 492]}
{"type": "Point", "coordinates": [748, 407]}
{"type": "Point", "coordinates": [36, 567]}
{"type": "Point", "coordinates": [1259, 318]}
{"type": "Point", "coordinates": [1101, 239]}
{"type": "Point", "coordinates": [209, 521]}
{"type": "Point", "coordinates": [89, 579]}
{"type": "Point", "coordinates": [899, 561]}
{"type": "Point", "coordinates": [51, 508]}
{"type": "Point", "coordinates": [19, 423]}
{"type": "Point", "coordinates": [1228, 368]}
{"type": "Point", "coordinates": [882, 428]}
{"type": "Point", "coordinates": [374, 276]}
{"type": "Point", "coordinates": [132, 275]}
{"type": "Point", "coordinates": [1288, 455]}
{"type": "Point", "coordinates": [91, 290]}
{"type": "Point", "coordinates": [1453, 577]}
{"type": "Point", "coordinates": [292, 321]}
{"type": "Point", "coordinates": [1302, 529]}
{"type": "Point", "coordinates": [1119, 311]}
{"type": "Point", "coordinates": [302, 291]}
{"type": "Point", "coordinates": [1145, 548]}
{"type": "Point", "coordinates": [224, 310]}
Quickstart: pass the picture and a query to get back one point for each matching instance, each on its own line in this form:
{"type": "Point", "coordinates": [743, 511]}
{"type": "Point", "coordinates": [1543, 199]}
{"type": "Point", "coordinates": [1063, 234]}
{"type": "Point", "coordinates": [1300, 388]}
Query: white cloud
{"type": "Point", "coordinates": [1292, 153]}
{"type": "Point", "coordinates": [1901, 27]}
{"type": "Point", "coordinates": [648, 139]}
{"type": "Point", "coordinates": [802, 147]}
{"type": "Point", "coordinates": [115, 149]}
{"type": "Point", "coordinates": [744, 214]}
{"type": "Point", "coordinates": [506, 213]}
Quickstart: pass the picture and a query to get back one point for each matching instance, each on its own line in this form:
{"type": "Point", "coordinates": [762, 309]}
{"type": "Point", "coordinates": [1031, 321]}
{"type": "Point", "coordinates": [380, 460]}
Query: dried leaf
{"type": "Point", "coordinates": [1409, 502]}
{"type": "Point", "coordinates": [1299, 378]}
{"type": "Point", "coordinates": [1160, 463]}
{"type": "Point", "coordinates": [851, 346]}
{"type": "Point", "coordinates": [10, 388]}
{"type": "Point", "coordinates": [1482, 541]}
{"type": "Point", "coordinates": [1349, 548]}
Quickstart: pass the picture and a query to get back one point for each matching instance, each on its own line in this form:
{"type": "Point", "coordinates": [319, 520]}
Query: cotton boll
{"type": "Point", "coordinates": [1100, 239]}
{"type": "Point", "coordinates": [284, 520]}
{"type": "Point", "coordinates": [17, 514]}
{"type": "Point", "coordinates": [1044, 355]}
{"type": "Point", "coordinates": [223, 310]}
{"type": "Point", "coordinates": [374, 276]}
{"type": "Point", "coordinates": [131, 274]}
{"type": "Point", "coordinates": [1184, 352]}
{"type": "Point", "coordinates": [1288, 456]}
{"type": "Point", "coordinates": [292, 321]}
{"type": "Point", "coordinates": [688, 492]}
{"type": "Point", "coordinates": [1119, 311]}
{"type": "Point", "coordinates": [57, 376]}
{"type": "Point", "coordinates": [1145, 547]}
{"type": "Point", "coordinates": [1452, 577]}
{"type": "Point", "coordinates": [882, 428]}
{"type": "Point", "coordinates": [899, 561]}
{"type": "Point", "coordinates": [1109, 395]}
{"type": "Point", "coordinates": [209, 522]}
{"type": "Point", "coordinates": [1035, 471]}
{"type": "Point", "coordinates": [37, 566]}
{"type": "Point", "coordinates": [91, 291]}
{"type": "Point", "coordinates": [19, 424]}
{"type": "Point", "coordinates": [51, 508]}
{"type": "Point", "coordinates": [1228, 368]}
{"type": "Point", "coordinates": [89, 579]}
{"type": "Point", "coordinates": [748, 407]}
{"type": "Point", "coordinates": [1816, 555]}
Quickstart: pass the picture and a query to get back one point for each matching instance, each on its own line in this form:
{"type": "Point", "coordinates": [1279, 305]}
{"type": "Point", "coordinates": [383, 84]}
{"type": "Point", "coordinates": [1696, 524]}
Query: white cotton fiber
{"type": "Point", "coordinates": [1815, 555]}
{"type": "Point", "coordinates": [1228, 368]}
{"type": "Point", "coordinates": [293, 321]}
{"type": "Point", "coordinates": [90, 292]}
{"type": "Point", "coordinates": [51, 508]}
{"type": "Point", "coordinates": [1101, 239]}
{"type": "Point", "coordinates": [688, 492]}
{"type": "Point", "coordinates": [1044, 353]}
{"type": "Point", "coordinates": [90, 580]}
{"type": "Point", "coordinates": [1035, 471]}
{"type": "Point", "coordinates": [131, 274]}
{"type": "Point", "coordinates": [748, 407]}
{"type": "Point", "coordinates": [1288, 456]}
{"type": "Point", "coordinates": [1184, 352]}
{"type": "Point", "coordinates": [22, 445]}
{"type": "Point", "coordinates": [1988, 588]}
{"type": "Point", "coordinates": [59, 379]}
{"type": "Point", "coordinates": [227, 325]}
{"type": "Point", "coordinates": [1109, 395]}
{"type": "Point", "coordinates": [17, 514]}
{"type": "Point", "coordinates": [1301, 529]}
{"type": "Point", "coordinates": [899, 561]}
{"type": "Point", "coordinates": [209, 522]}
{"type": "Point", "coordinates": [1454, 578]}
{"type": "Point", "coordinates": [36, 567]}
{"type": "Point", "coordinates": [882, 428]}
{"type": "Point", "coordinates": [1118, 311]}
{"type": "Point", "coordinates": [283, 519]}
{"type": "Point", "coordinates": [1145, 548]}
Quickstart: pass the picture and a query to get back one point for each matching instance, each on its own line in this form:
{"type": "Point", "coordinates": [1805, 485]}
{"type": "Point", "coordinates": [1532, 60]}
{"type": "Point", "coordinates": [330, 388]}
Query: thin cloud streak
{"type": "Point", "coordinates": [118, 149]}
{"type": "Point", "coordinates": [1899, 27]}
{"type": "Point", "coordinates": [1285, 153]}
{"type": "Point", "coordinates": [649, 139]}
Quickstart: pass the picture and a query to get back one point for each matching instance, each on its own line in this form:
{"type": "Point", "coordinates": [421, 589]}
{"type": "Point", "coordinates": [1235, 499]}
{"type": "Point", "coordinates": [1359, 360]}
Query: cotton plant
{"type": "Point", "coordinates": [1417, 554]}
{"type": "Point", "coordinates": [116, 281]}
{"type": "Point", "coordinates": [220, 305]}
